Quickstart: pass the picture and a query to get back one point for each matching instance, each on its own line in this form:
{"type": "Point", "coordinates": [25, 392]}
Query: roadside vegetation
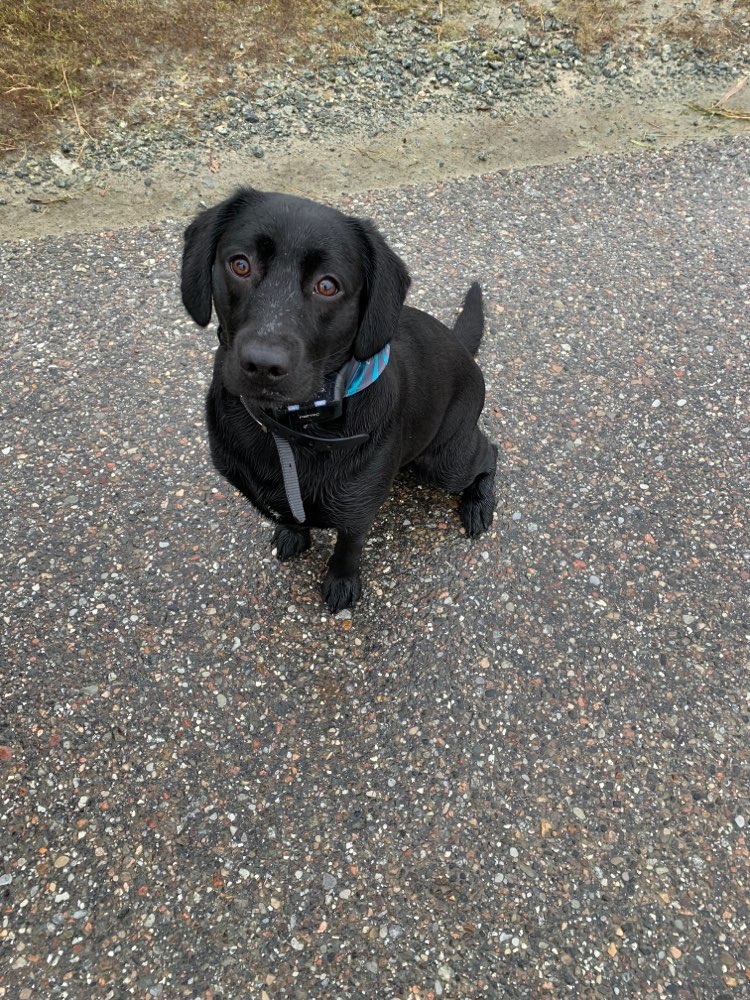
{"type": "Point", "coordinates": [85, 60]}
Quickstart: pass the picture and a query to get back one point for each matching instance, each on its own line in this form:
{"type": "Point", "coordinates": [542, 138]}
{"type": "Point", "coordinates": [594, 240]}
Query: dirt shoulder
{"type": "Point", "coordinates": [515, 90]}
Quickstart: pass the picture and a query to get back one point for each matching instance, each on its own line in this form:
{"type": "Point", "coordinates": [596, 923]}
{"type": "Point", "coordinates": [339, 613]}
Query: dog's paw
{"type": "Point", "coordinates": [290, 541]}
{"type": "Point", "coordinates": [341, 592]}
{"type": "Point", "coordinates": [478, 505]}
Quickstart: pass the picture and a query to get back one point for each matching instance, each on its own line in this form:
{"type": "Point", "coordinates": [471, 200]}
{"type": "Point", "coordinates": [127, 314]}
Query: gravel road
{"type": "Point", "coordinates": [520, 768]}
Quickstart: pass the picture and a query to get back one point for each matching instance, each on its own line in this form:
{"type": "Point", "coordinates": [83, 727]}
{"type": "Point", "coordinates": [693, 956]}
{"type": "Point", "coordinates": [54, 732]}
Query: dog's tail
{"type": "Point", "coordinates": [469, 325]}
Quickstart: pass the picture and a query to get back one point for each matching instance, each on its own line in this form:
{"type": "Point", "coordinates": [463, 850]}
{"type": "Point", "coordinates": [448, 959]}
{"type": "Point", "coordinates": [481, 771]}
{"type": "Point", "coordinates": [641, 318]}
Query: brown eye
{"type": "Point", "coordinates": [326, 287]}
{"type": "Point", "coordinates": [240, 266]}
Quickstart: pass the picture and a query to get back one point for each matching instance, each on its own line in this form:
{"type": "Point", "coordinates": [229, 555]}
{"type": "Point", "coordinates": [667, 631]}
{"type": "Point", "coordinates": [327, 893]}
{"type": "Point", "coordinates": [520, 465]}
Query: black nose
{"type": "Point", "coordinates": [265, 362]}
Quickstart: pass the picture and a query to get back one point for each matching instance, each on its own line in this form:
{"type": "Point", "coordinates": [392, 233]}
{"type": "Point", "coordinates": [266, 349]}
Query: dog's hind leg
{"type": "Point", "coordinates": [465, 464]}
{"type": "Point", "coordinates": [478, 498]}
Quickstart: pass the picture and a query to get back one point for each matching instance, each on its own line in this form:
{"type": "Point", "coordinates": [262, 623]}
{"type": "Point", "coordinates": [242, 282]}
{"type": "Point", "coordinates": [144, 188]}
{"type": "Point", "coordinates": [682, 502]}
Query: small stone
{"type": "Point", "coordinates": [739, 821]}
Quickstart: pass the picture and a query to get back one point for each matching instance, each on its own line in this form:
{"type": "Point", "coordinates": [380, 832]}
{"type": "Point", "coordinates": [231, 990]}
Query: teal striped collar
{"type": "Point", "coordinates": [364, 373]}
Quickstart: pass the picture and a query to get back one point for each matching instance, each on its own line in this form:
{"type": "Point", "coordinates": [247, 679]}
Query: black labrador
{"type": "Point", "coordinates": [325, 384]}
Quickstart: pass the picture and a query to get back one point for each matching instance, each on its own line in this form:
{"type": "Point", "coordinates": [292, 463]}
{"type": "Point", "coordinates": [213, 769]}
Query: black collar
{"type": "Point", "coordinates": [271, 422]}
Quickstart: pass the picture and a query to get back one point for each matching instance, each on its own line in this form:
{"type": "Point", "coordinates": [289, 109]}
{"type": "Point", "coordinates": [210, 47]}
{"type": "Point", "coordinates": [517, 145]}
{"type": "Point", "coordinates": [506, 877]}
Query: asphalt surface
{"type": "Point", "coordinates": [520, 768]}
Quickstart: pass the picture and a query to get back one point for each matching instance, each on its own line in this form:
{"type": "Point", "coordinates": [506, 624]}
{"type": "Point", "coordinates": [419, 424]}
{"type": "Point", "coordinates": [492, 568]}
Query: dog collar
{"type": "Point", "coordinates": [352, 378]}
{"type": "Point", "coordinates": [292, 423]}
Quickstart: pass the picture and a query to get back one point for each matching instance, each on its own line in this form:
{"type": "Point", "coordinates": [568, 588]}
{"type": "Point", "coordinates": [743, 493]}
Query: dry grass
{"type": "Point", "coordinates": [69, 57]}
{"type": "Point", "coordinates": [84, 60]}
{"type": "Point", "coordinates": [709, 31]}
{"type": "Point", "coordinates": [596, 22]}
{"type": "Point", "coordinates": [717, 27]}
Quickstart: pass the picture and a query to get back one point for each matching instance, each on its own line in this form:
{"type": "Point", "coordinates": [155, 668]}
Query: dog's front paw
{"type": "Point", "coordinates": [478, 505]}
{"type": "Point", "coordinates": [290, 541]}
{"type": "Point", "coordinates": [341, 592]}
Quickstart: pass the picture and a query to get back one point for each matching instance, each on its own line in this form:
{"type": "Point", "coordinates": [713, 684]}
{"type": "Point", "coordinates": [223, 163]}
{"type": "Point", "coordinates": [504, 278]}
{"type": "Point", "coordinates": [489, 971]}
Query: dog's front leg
{"type": "Point", "coordinates": [290, 540]}
{"type": "Point", "coordinates": [342, 585]}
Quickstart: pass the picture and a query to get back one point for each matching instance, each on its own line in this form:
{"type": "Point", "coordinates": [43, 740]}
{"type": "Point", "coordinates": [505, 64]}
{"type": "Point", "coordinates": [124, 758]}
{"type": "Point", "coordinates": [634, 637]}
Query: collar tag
{"type": "Point", "coordinates": [306, 414]}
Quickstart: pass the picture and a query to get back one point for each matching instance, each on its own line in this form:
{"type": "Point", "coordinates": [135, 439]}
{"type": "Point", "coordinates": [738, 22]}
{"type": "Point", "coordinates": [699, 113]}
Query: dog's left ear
{"type": "Point", "coordinates": [386, 284]}
{"type": "Point", "coordinates": [201, 239]}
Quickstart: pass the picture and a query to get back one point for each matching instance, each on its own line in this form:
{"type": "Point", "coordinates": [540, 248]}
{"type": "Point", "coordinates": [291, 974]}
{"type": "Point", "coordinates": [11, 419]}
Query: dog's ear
{"type": "Point", "coordinates": [201, 239]}
{"type": "Point", "coordinates": [386, 284]}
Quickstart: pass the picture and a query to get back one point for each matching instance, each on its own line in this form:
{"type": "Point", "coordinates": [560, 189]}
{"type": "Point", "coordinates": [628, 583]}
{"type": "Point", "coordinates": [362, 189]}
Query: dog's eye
{"type": "Point", "coordinates": [240, 266]}
{"type": "Point", "coordinates": [326, 287]}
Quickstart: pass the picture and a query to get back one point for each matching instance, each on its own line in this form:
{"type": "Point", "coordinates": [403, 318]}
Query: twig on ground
{"type": "Point", "coordinates": [737, 88]}
{"type": "Point", "coordinates": [719, 107]}
{"type": "Point", "coordinates": [721, 112]}
{"type": "Point", "coordinates": [72, 101]}
{"type": "Point", "coordinates": [49, 201]}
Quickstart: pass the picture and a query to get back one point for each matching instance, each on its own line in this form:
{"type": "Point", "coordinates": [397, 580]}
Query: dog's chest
{"type": "Point", "coordinates": [318, 482]}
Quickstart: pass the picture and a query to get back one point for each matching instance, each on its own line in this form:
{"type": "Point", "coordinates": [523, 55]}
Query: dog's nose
{"type": "Point", "coordinates": [267, 362]}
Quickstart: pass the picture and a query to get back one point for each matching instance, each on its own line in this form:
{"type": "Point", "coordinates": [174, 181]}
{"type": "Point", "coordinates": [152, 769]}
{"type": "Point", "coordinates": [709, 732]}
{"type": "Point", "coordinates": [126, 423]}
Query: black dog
{"type": "Point", "coordinates": [325, 384]}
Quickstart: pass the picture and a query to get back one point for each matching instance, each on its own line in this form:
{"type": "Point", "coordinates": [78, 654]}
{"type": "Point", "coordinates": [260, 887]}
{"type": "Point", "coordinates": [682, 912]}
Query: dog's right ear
{"type": "Point", "coordinates": [201, 239]}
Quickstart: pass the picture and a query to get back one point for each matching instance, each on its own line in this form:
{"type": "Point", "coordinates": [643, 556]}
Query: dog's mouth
{"type": "Point", "coordinates": [295, 391]}
{"type": "Point", "coordinates": [269, 400]}
{"type": "Point", "coordinates": [290, 390]}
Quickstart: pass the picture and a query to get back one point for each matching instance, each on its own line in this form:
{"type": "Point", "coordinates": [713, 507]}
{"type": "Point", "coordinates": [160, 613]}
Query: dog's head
{"type": "Point", "coordinates": [298, 289]}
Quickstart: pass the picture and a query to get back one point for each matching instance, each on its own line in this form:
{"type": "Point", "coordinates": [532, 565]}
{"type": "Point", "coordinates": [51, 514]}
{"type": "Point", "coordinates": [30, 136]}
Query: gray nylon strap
{"type": "Point", "coordinates": [291, 479]}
